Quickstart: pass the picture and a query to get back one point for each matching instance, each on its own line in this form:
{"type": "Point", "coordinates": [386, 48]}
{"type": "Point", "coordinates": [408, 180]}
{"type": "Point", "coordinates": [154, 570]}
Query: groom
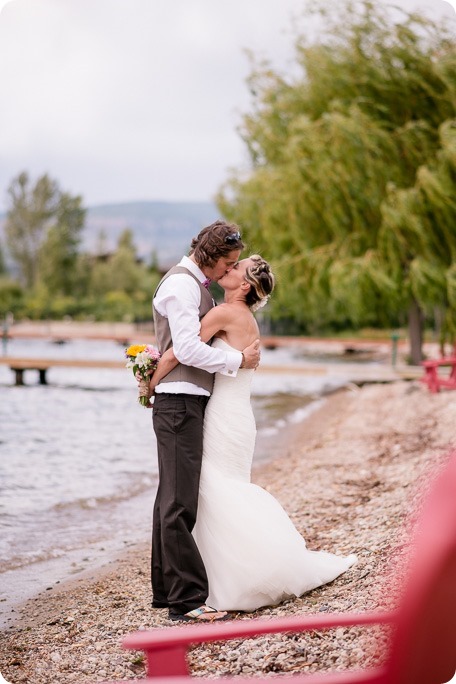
{"type": "Point", "coordinates": [179, 580]}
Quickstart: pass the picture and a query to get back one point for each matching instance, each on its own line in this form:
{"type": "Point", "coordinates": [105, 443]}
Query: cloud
{"type": "Point", "coordinates": [127, 94]}
{"type": "Point", "coordinates": [3, 3]}
{"type": "Point", "coordinates": [133, 99]}
{"type": "Point", "coordinates": [452, 3]}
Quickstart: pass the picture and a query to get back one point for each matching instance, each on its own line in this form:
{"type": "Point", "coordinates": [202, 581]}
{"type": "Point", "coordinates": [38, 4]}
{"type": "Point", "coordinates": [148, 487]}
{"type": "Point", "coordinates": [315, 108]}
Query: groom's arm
{"type": "Point", "coordinates": [179, 301]}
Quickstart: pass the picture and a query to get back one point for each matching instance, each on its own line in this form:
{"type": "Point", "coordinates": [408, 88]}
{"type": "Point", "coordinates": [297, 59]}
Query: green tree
{"type": "Point", "coordinates": [102, 243]}
{"type": "Point", "coordinates": [418, 237]}
{"type": "Point", "coordinates": [121, 286]}
{"type": "Point", "coordinates": [11, 296]}
{"type": "Point", "coordinates": [2, 261]}
{"type": "Point", "coordinates": [42, 229]}
{"type": "Point", "coordinates": [121, 270]}
{"type": "Point", "coordinates": [360, 116]}
{"type": "Point", "coordinates": [27, 222]}
{"type": "Point", "coordinates": [59, 251]}
{"type": "Point", "coordinates": [127, 271]}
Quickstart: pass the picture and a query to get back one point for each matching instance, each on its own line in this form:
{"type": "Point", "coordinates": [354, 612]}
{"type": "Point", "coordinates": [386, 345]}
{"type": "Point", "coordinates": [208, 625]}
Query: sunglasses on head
{"type": "Point", "coordinates": [233, 238]}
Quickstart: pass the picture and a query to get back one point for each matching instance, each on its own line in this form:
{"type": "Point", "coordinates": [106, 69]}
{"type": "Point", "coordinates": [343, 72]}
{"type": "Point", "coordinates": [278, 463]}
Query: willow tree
{"type": "Point", "coordinates": [418, 237]}
{"type": "Point", "coordinates": [358, 117]}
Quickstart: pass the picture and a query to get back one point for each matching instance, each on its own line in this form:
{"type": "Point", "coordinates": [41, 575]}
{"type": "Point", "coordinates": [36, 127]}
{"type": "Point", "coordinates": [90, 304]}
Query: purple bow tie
{"type": "Point", "coordinates": [207, 282]}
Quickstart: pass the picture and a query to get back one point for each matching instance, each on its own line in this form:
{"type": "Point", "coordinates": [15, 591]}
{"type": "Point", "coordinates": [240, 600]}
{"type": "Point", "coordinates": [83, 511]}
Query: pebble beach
{"type": "Point", "coordinates": [352, 480]}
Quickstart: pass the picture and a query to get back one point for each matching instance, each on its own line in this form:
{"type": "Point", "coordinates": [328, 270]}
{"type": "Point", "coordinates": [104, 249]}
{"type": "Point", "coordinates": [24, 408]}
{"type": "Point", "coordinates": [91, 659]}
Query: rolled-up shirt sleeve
{"type": "Point", "coordinates": [179, 301]}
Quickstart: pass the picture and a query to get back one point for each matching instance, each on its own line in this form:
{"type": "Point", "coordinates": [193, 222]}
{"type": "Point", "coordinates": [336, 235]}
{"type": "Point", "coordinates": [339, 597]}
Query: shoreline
{"type": "Point", "coordinates": [25, 582]}
{"type": "Point", "coordinates": [91, 560]}
{"type": "Point", "coordinates": [348, 478]}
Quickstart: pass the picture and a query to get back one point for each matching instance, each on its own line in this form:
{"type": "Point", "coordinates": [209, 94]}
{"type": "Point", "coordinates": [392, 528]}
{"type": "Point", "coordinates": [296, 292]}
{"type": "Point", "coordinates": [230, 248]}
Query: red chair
{"type": "Point", "coordinates": [423, 642]}
{"type": "Point", "coordinates": [431, 376]}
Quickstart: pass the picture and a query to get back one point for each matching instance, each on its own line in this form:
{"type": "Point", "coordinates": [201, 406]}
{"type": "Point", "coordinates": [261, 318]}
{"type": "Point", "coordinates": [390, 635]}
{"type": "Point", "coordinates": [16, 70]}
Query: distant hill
{"type": "Point", "coordinates": [165, 228]}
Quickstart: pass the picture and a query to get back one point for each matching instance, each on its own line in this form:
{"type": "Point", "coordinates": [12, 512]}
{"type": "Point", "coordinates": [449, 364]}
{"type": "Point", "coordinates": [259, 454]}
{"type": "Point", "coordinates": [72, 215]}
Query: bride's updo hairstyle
{"type": "Point", "coordinates": [215, 241]}
{"type": "Point", "coordinates": [261, 280]}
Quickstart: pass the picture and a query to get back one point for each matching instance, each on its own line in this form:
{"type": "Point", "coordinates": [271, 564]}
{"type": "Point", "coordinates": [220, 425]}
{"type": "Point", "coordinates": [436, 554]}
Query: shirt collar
{"type": "Point", "coordinates": [193, 268]}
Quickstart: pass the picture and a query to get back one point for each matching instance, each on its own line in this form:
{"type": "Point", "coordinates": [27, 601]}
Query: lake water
{"type": "Point", "coordinates": [78, 459]}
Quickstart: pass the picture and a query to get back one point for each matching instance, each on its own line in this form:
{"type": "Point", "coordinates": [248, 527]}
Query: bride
{"type": "Point", "coordinates": [253, 554]}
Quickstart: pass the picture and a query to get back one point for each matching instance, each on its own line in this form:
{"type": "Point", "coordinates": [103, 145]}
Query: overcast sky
{"type": "Point", "coordinates": [136, 99]}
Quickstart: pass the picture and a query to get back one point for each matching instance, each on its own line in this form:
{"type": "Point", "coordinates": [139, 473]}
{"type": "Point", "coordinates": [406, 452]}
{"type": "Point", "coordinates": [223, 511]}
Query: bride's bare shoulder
{"type": "Point", "coordinates": [220, 311]}
{"type": "Point", "coordinates": [235, 309]}
{"type": "Point", "coordinates": [231, 311]}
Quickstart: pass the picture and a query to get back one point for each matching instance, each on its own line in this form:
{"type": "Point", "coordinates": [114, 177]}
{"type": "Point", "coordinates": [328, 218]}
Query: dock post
{"type": "Point", "coordinates": [19, 376]}
{"type": "Point", "coordinates": [394, 339]}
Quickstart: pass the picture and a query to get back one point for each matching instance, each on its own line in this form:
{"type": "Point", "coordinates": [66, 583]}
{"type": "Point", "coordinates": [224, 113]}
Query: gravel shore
{"type": "Point", "coordinates": [352, 481]}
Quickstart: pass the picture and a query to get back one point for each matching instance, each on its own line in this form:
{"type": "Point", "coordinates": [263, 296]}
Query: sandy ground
{"type": "Point", "coordinates": [352, 481]}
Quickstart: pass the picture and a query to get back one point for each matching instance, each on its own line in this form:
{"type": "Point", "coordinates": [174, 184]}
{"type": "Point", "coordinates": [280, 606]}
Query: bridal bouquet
{"type": "Point", "coordinates": [142, 358]}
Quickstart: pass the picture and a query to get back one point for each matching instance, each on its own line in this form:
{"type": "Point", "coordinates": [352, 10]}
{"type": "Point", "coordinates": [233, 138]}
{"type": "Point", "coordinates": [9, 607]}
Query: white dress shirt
{"type": "Point", "coordinates": [178, 299]}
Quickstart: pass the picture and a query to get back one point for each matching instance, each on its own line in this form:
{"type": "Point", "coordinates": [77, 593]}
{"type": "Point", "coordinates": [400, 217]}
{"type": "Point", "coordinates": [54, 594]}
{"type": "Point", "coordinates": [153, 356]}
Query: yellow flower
{"type": "Point", "coordinates": [135, 349]}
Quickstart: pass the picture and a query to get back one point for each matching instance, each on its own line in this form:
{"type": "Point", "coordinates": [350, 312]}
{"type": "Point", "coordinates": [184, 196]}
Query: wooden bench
{"type": "Point", "coordinates": [422, 646]}
{"type": "Point", "coordinates": [431, 377]}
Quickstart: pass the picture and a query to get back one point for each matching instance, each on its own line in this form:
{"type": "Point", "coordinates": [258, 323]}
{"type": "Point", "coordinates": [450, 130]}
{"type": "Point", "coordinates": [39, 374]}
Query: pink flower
{"type": "Point", "coordinates": [152, 353]}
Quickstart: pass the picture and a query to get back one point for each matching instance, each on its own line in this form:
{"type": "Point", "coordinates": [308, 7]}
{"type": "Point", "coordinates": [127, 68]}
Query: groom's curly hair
{"type": "Point", "coordinates": [215, 241]}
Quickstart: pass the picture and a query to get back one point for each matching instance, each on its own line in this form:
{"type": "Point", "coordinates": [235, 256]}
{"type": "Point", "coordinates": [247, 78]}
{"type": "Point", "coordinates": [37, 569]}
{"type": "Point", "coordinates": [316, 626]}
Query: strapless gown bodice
{"type": "Point", "coordinates": [229, 425]}
{"type": "Point", "coordinates": [253, 554]}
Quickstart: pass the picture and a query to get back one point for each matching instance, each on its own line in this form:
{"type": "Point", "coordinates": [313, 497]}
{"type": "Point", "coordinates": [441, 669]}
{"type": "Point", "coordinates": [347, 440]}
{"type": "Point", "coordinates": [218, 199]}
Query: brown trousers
{"type": "Point", "coordinates": [179, 579]}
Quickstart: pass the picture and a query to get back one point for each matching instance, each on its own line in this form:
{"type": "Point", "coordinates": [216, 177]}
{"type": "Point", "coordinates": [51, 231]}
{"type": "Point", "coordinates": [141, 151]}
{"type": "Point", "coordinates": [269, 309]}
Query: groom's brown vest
{"type": "Point", "coordinates": [182, 373]}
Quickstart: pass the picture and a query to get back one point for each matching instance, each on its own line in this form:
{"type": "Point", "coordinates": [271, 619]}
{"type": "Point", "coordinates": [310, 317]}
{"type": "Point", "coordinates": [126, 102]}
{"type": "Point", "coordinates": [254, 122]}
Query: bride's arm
{"type": "Point", "coordinates": [213, 322]}
{"type": "Point", "coordinates": [165, 365]}
{"type": "Point", "coordinates": [216, 320]}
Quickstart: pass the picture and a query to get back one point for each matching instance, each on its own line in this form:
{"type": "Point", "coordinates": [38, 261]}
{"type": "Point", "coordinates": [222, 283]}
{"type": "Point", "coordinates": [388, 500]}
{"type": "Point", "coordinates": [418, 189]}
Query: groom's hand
{"type": "Point", "coordinates": [251, 355]}
{"type": "Point", "coordinates": [145, 386]}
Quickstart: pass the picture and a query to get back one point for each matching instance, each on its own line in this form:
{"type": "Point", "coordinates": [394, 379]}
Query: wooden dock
{"type": "Point", "coordinates": [357, 373]}
{"type": "Point", "coordinates": [19, 365]}
{"type": "Point", "coordinates": [128, 333]}
{"type": "Point", "coordinates": [65, 331]}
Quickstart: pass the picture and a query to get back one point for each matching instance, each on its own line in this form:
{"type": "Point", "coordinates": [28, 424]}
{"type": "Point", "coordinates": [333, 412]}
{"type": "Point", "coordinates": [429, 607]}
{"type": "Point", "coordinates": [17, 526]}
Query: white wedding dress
{"type": "Point", "coordinates": [253, 554]}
